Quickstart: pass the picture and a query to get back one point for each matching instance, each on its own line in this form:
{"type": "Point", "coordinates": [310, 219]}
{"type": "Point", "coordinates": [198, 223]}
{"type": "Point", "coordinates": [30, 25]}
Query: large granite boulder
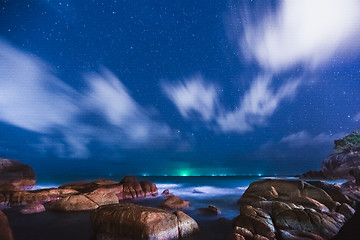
{"type": "Point", "coordinates": [133, 188]}
{"type": "Point", "coordinates": [83, 201]}
{"type": "Point", "coordinates": [291, 209]}
{"type": "Point", "coordinates": [88, 186]}
{"type": "Point", "coordinates": [339, 165]}
{"type": "Point", "coordinates": [15, 175]}
{"type": "Point", "coordinates": [128, 188]}
{"type": "Point", "coordinates": [346, 159]}
{"type": "Point", "coordinates": [173, 202]}
{"type": "Point", "coordinates": [130, 221]}
{"type": "Point", "coordinates": [5, 230]}
{"type": "Point", "coordinates": [32, 208]}
{"type": "Point", "coordinates": [34, 196]}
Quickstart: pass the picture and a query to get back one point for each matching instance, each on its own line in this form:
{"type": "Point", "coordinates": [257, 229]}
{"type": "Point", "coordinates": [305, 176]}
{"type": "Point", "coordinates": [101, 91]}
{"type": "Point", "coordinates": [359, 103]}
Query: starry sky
{"type": "Point", "coordinates": [167, 87]}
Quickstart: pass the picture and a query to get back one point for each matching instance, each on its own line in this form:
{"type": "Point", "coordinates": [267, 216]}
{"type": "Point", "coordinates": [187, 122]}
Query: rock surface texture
{"type": "Point", "coordinates": [340, 165]}
{"type": "Point", "coordinates": [78, 196]}
{"type": "Point", "coordinates": [130, 221]}
{"type": "Point", "coordinates": [173, 202]}
{"type": "Point", "coordinates": [292, 209]}
{"type": "Point", "coordinates": [15, 175]}
{"type": "Point", "coordinates": [5, 230]}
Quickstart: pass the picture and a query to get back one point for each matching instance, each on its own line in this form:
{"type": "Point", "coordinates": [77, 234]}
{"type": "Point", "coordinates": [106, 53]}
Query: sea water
{"type": "Point", "coordinates": [201, 191]}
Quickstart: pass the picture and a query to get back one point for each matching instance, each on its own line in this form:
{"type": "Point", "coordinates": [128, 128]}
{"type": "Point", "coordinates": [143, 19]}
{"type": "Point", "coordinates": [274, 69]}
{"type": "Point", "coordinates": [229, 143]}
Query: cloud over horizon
{"type": "Point", "coordinates": [33, 98]}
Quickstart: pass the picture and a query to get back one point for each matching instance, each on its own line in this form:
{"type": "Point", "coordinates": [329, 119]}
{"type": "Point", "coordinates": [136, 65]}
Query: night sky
{"type": "Point", "coordinates": [177, 87]}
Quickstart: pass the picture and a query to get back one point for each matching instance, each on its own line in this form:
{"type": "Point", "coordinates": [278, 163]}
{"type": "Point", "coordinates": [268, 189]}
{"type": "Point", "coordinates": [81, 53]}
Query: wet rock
{"type": "Point", "coordinates": [87, 186]}
{"type": "Point", "coordinates": [80, 202]}
{"type": "Point", "coordinates": [165, 192]}
{"type": "Point", "coordinates": [5, 230]}
{"type": "Point", "coordinates": [346, 210]}
{"type": "Point", "coordinates": [149, 188]}
{"type": "Point", "coordinates": [187, 226]}
{"type": "Point", "coordinates": [313, 175]}
{"type": "Point", "coordinates": [294, 209]}
{"type": "Point", "coordinates": [339, 165]}
{"type": "Point", "coordinates": [32, 208]}
{"type": "Point", "coordinates": [197, 191]}
{"type": "Point", "coordinates": [15, 175]}
{"type": "Point", "coordinates": [130, 221]}
{"type": "Point", "coordinates": [41, 196]}
{"type": "Point", "coordinates": [173, 202]}
{"type": "Point", "coordinates": [211, 210]}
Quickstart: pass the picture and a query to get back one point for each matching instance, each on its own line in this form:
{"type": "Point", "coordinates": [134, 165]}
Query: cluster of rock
{"type": "Point", "coordinates": [292, 209]}
{"type": "Point", "coordinates": [16, 177]}
{"type": "Point", "coordinates": [110, 219]}
{"type": "Point", "coordinates": [344, 163]}
{"type": "Point", "coordinates": [5, 230]}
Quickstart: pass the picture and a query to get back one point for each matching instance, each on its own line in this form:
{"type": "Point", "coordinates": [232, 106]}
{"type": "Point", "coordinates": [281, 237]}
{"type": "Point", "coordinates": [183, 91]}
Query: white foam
{"type": "Point", "coordinates": [167, 185]}
{"type": "Point", "coordinates": [43, 186]}
{"type": "Point", "coordinates": [205, 191]}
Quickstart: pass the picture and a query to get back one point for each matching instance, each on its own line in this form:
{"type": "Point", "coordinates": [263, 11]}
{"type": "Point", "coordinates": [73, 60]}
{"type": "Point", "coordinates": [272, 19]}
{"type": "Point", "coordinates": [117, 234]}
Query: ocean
{"type": "Point", "coordinates": [202, 191]}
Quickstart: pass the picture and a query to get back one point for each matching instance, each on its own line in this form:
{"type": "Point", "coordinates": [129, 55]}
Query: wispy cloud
{"type": "Point", "coordinates": [357, 117]}
{"type": "Point", "coordinates": [255, 107]}
{"type": "Point", "coordinates": [303, 138]}
{"type": "Point", "coordinates": [258, 103]}
{"type": "Point", "coordinates": [33, 98]}
{"type": "Point", "coordinates": [306, 32]}
{"type": "Point", "coordinates": [193, 96]}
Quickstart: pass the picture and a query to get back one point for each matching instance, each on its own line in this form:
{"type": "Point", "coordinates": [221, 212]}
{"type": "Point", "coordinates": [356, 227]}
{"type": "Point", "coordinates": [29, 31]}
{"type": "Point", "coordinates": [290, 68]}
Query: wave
{"type": "Point", "coordinates": [200, 191]}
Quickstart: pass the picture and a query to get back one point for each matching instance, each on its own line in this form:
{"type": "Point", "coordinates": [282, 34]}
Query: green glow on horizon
{"type": "Point", "coordinates": [184, 172]}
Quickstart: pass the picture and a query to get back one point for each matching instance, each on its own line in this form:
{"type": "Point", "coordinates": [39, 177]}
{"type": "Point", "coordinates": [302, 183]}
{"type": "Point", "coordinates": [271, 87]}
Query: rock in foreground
{"type": "Point", "coordinates": [15, 175]}
{"type": "Point", "coordinates": [174, 202]}
{"type": "Point", "coordinates": [285, 209]}
{"type": "Point", "coordinates": [81, 202]}
{"type": "Point", "coordinates": [130, 221]}
{"type": "Point", "coordinates": [5, 230]}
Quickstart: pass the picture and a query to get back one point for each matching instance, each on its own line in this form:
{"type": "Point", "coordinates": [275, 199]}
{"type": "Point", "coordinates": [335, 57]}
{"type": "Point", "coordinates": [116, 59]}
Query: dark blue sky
{"type": "Point", "coordinates": [167, 87]}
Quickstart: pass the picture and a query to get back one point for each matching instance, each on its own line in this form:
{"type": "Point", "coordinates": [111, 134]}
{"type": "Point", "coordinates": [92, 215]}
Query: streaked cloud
{"type": "Point", "coordinates": [193, 96]}
{"type": "Point", "coordinates": [306, 32]}
{"type": "Point", "coordinates": [303, 139]}
{"type": "Point", "coordinates": [357, 117]}
{"type": "Point", "coordinates": [257, 105]}
{"type": "Point", "coordinates": [33, 98]}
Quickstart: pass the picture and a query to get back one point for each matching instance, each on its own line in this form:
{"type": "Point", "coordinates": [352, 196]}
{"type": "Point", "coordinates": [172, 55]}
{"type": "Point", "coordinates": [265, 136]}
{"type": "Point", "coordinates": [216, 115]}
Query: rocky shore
{"type": "Point", "coordinates": [269, 209]}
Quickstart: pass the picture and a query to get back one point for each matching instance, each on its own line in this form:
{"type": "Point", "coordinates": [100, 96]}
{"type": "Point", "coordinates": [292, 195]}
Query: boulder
{"type": "Point", "coordinates": [346, 210]}
{"type": "Point", "coordinates": [41, 196]}
{"type": "Point", "coordinates": [32, 208]}
{"type": "Point", "coordinates": [350, 230]}
{"type": "Point", "coordinates": [313, 175]}
{"type": "Point", "coordinates": [128, 188]}
{"type": "Point", "coordinates": [165, 192]}
{"type": "Point", "coordinates": [293, 209]}
{"type": "Point", "coordinates": [5, 230]}
{"type": "Point", "coordinates": [15, 175]}
{"type": "Point", "coordinates": [211, 210]}
{"type": "Point", "coordinates": [130, 221]}
{"type": "Point", "coordinates": [149, 188]}
{"type": "Point", "coordinates": [187, 226]}
{"type": "Point", "coordinates": [339, 165]}
{"type": "Point", "coordinates": [85, 201]}
{"type": "Point", "coordinates": [173, 202]}
{"type": "Point", "coordinates": [88, 186]}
